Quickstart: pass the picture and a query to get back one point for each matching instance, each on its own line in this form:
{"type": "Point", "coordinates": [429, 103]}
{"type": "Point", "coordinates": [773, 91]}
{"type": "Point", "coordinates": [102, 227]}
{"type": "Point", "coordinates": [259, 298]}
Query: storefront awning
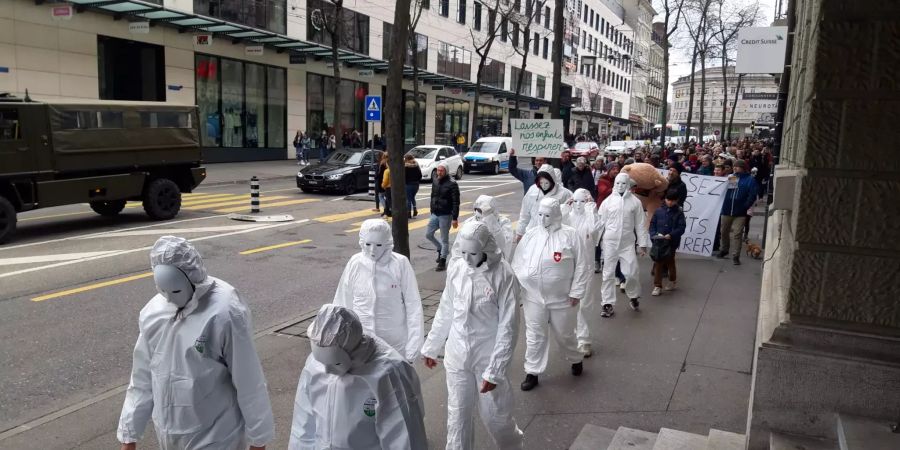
{"type": "Point", "coordinates": [139, 10]}
{"type": "Point", "coordinates": [616, 120]}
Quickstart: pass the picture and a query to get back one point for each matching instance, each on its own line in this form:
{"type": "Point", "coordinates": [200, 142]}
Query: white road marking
{"type": "Point", "coordinates": [51, 258]}
{"type": "Point", "coordinates": [174, 231]}
{"type": "Point", "coordinates": [337, 199]}
{"type": "Point", "coordinates": [143, 249]}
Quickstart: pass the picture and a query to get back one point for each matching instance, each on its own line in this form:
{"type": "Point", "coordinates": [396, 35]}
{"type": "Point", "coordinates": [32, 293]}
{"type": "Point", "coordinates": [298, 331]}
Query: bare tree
{"type": "Point", "coordinates": [737, 93]}
{"type": "Point", "coordinates": [525, 22]}
{"type": "Point", "coordinates": [393, 123]}
{"type": "Point", "coordinates": [559, 7]}
{"type": "Point", "coordinates": [416, 14]}
{"type": "Point", "coordinates": [482, 42]}
{"type": "Point", "coordinates": [668, 6]}
{"type": "Point", "coordinates": [728, 25]}
{"type": "Point", "coordinates": [331, 21]}
{"type": "Point", "coordinates": [594, 90]}
{"type": "Point", "coordinates": [697, 23]}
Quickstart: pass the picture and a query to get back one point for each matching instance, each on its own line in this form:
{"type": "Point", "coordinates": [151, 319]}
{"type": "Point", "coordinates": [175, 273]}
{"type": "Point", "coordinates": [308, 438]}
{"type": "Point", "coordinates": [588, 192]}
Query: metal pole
{"type": "Point", "coordinates": [254, 195]}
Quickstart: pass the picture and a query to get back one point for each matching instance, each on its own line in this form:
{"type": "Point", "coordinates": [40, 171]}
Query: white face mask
{"type": "Point", "coordinates": [335, 359]}
{"type": "Point", "coordinates": [479, 215]}
{"type": "Point", "coordinates": [620, 186]}
{"type": "Point", "coordinates": [375, 245]}
{"type": "Point", "coordinates": [472, 252]}
{"type": "Point", "coordinates": [545, 184]}
{"type": "Point", "coordinates": [173, 284]}
{"type": "Point", "coordinates": [546, 218]}
{"type": "Point", "coordinates": [579, 206]}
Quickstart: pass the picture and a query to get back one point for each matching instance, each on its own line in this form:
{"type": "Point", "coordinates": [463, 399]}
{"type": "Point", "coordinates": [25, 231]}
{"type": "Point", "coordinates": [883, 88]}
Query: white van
{"type": "Point", "coordinates": [488, 154]}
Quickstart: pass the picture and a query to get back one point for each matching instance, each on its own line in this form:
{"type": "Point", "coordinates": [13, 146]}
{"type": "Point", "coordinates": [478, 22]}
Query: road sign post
{"type": "Point", "coordinates": [372, 106]}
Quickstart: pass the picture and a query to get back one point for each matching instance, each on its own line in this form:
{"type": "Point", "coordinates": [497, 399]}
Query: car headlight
{"type": "Point", "coordinates": [299, 174]}
{"type": "Point", "coordinates": [335, 177]}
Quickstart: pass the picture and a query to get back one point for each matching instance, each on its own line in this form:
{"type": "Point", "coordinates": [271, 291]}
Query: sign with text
{"type": "Point", "coordinates": [366, 73]}
{"type": "Point", "coordinates": [538, 137]}
{"type": "Point", "coordinates": [254, 50]}
{"type": "Point", "coordinates": [761, 49]}
{"type": "Point", "coordinates": [139, 27]}
{"type": "Point", "coordinates": [62, 12]}
{"type": "Point", "coordinates": [701, 211]}
{"type": "Point", "coordinates": [202, 39]}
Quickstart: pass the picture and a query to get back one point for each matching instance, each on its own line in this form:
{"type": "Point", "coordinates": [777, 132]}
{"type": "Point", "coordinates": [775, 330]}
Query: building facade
{"type": "Point", "coordinates": [639, 17]}
{"type": "Point", "coordinates": [656, 80]}
{"type": "Point", "coordinates": [756, 101]}
{"type": "Point", "coordinates": [260, 74]}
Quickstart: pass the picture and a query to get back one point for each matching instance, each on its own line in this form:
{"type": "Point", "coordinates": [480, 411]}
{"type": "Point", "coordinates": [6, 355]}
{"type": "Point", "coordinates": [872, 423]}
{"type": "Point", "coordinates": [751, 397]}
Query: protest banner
{"type": "Point", "coordinates": [701, 211]}
{"type": "Point", "coordinates": [538, 137]}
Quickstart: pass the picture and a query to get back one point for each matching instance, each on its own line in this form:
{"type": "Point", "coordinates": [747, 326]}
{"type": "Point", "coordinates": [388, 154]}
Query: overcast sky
{"type": "Point", "coordinates": [680, 59]}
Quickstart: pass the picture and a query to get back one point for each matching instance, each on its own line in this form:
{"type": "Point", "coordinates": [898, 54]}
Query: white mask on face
{"type": "Point", "coordinates": [545, 185]}
{"type": "Point", "coordinates": [478, 215]}
{"type": "Point", "coordinates": [621, 185]}
{"type": "Point", "coordinates": [546, 220]}
{"type": "Point", "coordinates": [173, 284]}
{"type": "Point", "coordinates": [472, 252]}
{"type": "Point", "coordinates": [335, 359]}
{"type": "Point", "coordinates": [376, 245]}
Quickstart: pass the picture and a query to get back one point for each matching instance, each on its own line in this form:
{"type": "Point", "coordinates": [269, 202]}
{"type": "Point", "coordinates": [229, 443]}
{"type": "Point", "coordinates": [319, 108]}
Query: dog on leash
{"type": "Point", "coordinates": [753, 250]}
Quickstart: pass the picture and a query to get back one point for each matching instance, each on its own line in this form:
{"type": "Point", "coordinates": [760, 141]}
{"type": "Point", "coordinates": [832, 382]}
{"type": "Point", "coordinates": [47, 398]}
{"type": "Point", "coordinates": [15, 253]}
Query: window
{"type": "Point", "coordinates": [515, 35]}
{"type": "Point", "coordinates": [454, 61]}
{"type": "Point", "coordinates": [546, 47]}
{"type": "Point", "coordinates": [451, 118]}
{"type": "Point", "coordinates": [476, 16]}
{"type": "Point", "coordinates": [420, 53]}
{"type": "Point", "coordinates": [488, 121]}
{"type": "Point", "coordinates": [131, 70]}
{"type": "Point", "coordinates": [444, 8]}
{"type": "Point", "coordinates": [504, 29]}
{"type": "Point", "coordinates": [591, 18]}
{"type": "Point", "coordinates": [87, 120]}
{"type": "Point", "coordinates": [584, 15]}
{"type": "Point", "coordinates": [525, 88]}
{"type": "Point", "coordinates": [541, 86]}
{"type": "Point", "coordinates": [536, 44]}
{"type": "Point", "coordinates": [265, 14]}
{"type": "Point", "coordinates": [9, 125]}
{"type": "Point", "coordinates": [618, 109]}
{"type": "Point", "coordinates": [494, 74]}
{"type": "Point", "coordinates": [320, 115]}
{"type": "Point", "coordinates": [529, 8]}
{"type": "Point", "coordinates": [607, 105]}
{"type": "Point", "coordinates": [164, 119]}
{"type": "Point", "coordinates": [461, 11]}
{"type": "Point", "coordinates": [356, 28]}
{"type": "Point", "coordinates": [547, 17]}
{"type": "Point", "coordinates": [537, 14]}
{"type": "Point", "coordinates": [602, 24]}
{"type": "Point", "coordinates": [492, 20]}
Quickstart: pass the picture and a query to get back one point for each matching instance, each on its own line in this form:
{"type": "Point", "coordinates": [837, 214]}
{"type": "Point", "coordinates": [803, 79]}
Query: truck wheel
{"type": "Point", "coordinates": [162, 199]}
{"type": "Point", "coordinates": [7, 220]}
{"type": "Point", "coordinates": [110, 208]}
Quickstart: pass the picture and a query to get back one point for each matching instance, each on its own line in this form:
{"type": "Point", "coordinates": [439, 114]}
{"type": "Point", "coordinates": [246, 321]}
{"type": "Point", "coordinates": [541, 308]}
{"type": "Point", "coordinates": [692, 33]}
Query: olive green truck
{"type": "Point", "coordinates": [96, 152]}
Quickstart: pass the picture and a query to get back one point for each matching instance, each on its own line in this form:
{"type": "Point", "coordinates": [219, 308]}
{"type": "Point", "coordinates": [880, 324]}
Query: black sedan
{"type": "Point", "coordinates": [345, 171]}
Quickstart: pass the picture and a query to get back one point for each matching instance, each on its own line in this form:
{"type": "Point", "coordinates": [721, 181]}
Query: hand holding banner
{"type": "Point", "coordinates": [538, 137]}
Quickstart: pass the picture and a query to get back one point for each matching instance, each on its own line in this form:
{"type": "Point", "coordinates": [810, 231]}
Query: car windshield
{"type": "Point", "coordinates": [345, 157]}
{"type": "Point", "coordinates": [423, 152]}
{"type": "Point", "coordinates": [585, 145]}
{"type": "Point", "coordinates": [617, 144]}
{"type": "Point", "coordinates": [486, 147]}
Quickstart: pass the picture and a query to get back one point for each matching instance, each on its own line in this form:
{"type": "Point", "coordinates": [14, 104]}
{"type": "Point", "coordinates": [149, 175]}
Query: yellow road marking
{"type": "Point", "coordinates": [332, 218]}
{"type": "Point", "coordinates": [207, 201]}
{"type": "Point", "coordinates": [269, 205]}
{"type": "Point", "coordinates": [56, 215]}
{"type": "Point", "coordinates": [91, 287]}
{"type": "Point", "coordinates": [504, 194]}
{"type": "Point", "coordinates": [274, 247]}
{"type": "Point", "coordinates": [244, 201]}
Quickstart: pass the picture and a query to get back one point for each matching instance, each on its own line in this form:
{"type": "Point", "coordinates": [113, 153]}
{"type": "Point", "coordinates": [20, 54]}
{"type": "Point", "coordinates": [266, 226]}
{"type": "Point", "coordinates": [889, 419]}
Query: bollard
{"type": "Point", "coordinates": [371, 183]}
{"type": "Point", "coordinates": [254, 195]}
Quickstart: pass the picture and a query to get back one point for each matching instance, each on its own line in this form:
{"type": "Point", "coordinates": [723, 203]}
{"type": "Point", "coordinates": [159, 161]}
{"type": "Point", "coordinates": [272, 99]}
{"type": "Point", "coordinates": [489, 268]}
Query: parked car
{"type": "Point", "coordinates": [616, 148]}
{"type": "Point", "coordinates": [589, 150]}
{"type": "Point", "coordinates": [430, 156]}
{"type": "Point", "coordinates": [488, 154]}
{"type": "Point", "coordinates": [345, 171]}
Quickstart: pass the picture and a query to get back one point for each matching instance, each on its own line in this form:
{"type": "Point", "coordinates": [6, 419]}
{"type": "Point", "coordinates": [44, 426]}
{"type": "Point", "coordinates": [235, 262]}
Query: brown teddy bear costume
{"type": "Point", "coordinates": [650, 186]}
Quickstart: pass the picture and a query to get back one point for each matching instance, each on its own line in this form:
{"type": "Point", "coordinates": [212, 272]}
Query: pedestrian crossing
{"type": "Point", "coordinates": [231, 203]}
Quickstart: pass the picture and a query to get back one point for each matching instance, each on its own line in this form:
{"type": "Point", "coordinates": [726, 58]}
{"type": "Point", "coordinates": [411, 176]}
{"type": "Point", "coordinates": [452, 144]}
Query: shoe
{"type": "Point", "coordinates": [531, 381]}
{"type": "Point", "coordinates": [671, 286]}
{"type": "Point", "coordinates": [622, 286]}
{"type": "Point", "coordinates": [736, 260]}
{"type": "Point", "coordinates": [635, 304]}
{"type": "Point", "coordinates": [441, 265]}
{"type": "Point", "coordinates": [438, 258]}
{"type": "Point", "coordinates": [415, 212]}
{"type": "Point", "coordinates": [607, 311]}
{"type": "Point", "coordinates": [656, 291]}
{"type": "Point", "coordinates": [410, 215]}
{"type": "Point", "coordinates": [577, 369]}
{"type": "Point", "coordinates": [597, 268]}
{"type": "Point", "coordinates": [586, 350]}
{"type": "Point", "coordinates": [722, 254]}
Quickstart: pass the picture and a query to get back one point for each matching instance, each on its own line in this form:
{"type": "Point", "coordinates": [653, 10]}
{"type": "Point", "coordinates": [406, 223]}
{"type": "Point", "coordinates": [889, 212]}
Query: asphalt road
{"type": "Point", "coordinates": [72, 283]}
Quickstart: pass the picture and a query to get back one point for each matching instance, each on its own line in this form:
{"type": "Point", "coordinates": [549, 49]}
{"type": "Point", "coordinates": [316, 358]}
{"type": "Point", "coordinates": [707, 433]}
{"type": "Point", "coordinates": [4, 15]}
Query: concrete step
{"type": "Point", "coordinates": [669, 439]}
{"type": "Point", "coordinates": [861, 433]}
{"type": "Point", "coordinates": [724, 440]}
{"type": "Point", "coordinates": [632, 439]}
{"type": "Point", "coordinates": [782, 441]}
{"type": "Point", "coordinates": [593, 437]}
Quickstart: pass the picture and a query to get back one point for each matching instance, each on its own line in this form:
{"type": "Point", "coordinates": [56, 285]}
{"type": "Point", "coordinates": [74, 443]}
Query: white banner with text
{"type": "Point", "coordinates": [538, 137]}
{"type": "Point", "coordinates": [705, 195]}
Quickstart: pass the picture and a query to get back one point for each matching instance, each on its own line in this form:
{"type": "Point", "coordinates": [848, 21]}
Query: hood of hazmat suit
{"type": "Point", "coordinates": [582, 216]}
{"type": "Point", "coordinates": [499, 226]}
{"type": "Point", "coordinates": [380, 287]}
{"type": "Point", "coordinates": [195, 368]}
{"type": "Point", "coordinates": [552, 262]}
{"type": "Point", "coordinates": [376, 403]}
{"type": "Point", "coordinates": [621, 217]}
{"type": "Point", "coordinates": [535, 194]}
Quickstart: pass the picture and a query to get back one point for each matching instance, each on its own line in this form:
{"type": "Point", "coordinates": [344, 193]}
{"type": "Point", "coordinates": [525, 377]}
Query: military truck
{"type": "Point", "coordinates": [99, 152]}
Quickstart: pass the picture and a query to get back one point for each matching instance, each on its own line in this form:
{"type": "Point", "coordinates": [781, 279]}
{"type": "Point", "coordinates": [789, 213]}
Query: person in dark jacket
{"type": "Point", "coordinates": [582, 178]}
{"type": "Point", "coordinates": [739, 198]}
{"type": "Point", "coordinates": [444, 211]}
{"type": "Point", "coordinates": [675, 183]}
{"type": "Point", "coordinates": [379, 175]}
{"type": "Point", "coordinates": [526, 176]}
{"type": "Point", "coordinates": [668, 223]}
{"type": "Point", "coordinates": [566, 166]}
{"type": "Point", "coordinates": [759, 162]}
{"type": "Point", "coordinates": [413, 178]}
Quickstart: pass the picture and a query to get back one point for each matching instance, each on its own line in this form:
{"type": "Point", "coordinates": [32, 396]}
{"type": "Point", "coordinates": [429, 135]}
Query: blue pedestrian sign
{"type": "Point", "coordinates": [373, 108]}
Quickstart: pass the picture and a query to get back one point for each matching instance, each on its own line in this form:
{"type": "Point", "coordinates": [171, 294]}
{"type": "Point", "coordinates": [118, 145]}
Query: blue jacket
{"type": "Point", "coordinates": [526, 176]}
{"type": "Point", "coordinates": [669, 221]}
{"type": "Point", "coordinates": [741, 198]}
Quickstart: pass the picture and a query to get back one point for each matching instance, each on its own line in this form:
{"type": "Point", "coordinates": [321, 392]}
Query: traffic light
{"type": "Point", "coordinates": [752, 125]}
{"type": "Point", "coordinates": [608, 122]}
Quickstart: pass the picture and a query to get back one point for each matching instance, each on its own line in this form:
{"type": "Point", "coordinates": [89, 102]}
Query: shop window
{"type": "Point", "coordinates": [130, 70]}
{"type": "Point", "coordinates": [166, 119]}
{"type": "Point", "coordinates": [451, 118]}
{"type": "Point", "coordinates": [488, 121]}
{"type": "Point", "coordinates": [265, 14]}
{"type": "Point", "coordinates": [320, 106]}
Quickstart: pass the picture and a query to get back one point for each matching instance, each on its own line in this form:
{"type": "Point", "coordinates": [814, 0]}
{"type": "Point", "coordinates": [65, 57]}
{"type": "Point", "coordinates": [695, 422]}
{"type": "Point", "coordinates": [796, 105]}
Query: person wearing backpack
{"type": "Point", "coordinates": [666, 228]}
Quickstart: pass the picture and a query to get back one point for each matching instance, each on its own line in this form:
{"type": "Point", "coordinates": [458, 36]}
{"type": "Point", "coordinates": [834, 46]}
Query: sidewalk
{"type": "Point", "coordinates": [218, 174]}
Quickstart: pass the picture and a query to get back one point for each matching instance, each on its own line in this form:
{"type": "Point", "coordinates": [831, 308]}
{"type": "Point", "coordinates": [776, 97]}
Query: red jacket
{"type": "Point", "coordinates": [604, 188]}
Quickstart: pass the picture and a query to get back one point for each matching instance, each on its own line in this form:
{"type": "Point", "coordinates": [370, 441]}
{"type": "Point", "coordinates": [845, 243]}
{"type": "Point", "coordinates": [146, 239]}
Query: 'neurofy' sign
{"type": "Point", "coordinates": [538, 137]}
{"type": "Point", "coordinates": [701, 211]}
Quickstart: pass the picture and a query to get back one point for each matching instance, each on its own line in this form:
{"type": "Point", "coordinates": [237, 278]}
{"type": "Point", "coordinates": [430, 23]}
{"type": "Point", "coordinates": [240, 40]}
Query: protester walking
{"type": "Point", "coordinates": [413, 178]}
{"type": "Point", "coordinates": [739, 198]}
{"type": "Point", "coordinates": [666, 228]}
{"type": "Point", "coordinates": [298, 147]}
{"type": "Point", "coordinates": [676, 184]}
{"type": "Point", "coordinates": [379, 177]}
{"type": "Point", "coordinates": [526, 176]}
{"type": "Point", "coordinates": [582, 178]}
{"type": "Point", "coordinates": [444, 212]}
{"type": "Point", "coordinates": [386, 190]}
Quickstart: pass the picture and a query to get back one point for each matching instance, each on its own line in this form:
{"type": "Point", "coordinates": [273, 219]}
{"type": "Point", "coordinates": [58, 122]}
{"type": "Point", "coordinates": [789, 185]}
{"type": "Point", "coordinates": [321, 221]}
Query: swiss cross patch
{"type": "Point", "coordinates": [557, 256]}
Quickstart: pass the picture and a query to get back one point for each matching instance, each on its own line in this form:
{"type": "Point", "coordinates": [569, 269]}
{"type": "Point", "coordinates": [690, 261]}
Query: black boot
{"type": "Point", "coordinates": [721, 254]}
{"type": "Point", "coordinates": [577, 369]}
{"type": "Point", "coordinates": [438, 259]}
{"type": "Point", "coordinates": [415, 212]}
{"type": "Point", "coordinates": [531, 381]}
{"type": "Point", "coordinates": [442, 265]}
{"type": "Point", "coordinates": [736, 260]}
{"type": "Point", "coordinates": [635, 304]}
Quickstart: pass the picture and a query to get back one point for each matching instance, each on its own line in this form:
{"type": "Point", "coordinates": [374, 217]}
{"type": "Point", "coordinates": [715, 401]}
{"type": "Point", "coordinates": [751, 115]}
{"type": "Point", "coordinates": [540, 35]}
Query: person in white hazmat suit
{"type": "Point", "coordinates": [500, 227]}
{"type": "Point", "coordinates": [547, 184]}
{"type": "Point", "coordinates": [621, 223]}
{"type": "Point", "coordinates": [478, 319]}
{"type": "Point", "coordinates": [582, 216]}
{"type": "Point", "coordinates": [380, 287]}
{"type": "Point", "coordinates": [355, 392]}
{"type": "Point", "coordinates": [195, 369]}
{"type": "Point", "coordinates": [553, 265]}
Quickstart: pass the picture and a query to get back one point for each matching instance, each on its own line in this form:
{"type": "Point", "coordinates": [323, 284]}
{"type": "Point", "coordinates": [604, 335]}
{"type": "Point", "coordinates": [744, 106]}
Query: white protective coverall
{"type": "Point", "coordinates": [195, 368]}
{"type": "Point", "coordinates": [380, 287]}
{"type": "Point", "coordinates": [532, 199]}
{"type": "Point", "coordinates": [583, 218]}
{"type": "Point", "coordinates": [621, 218]}
{"type": "Point", "coordinates": [477, 318]}
{"type": "Point", "coordinates": [499, 226]}
{"type": "Point", "coordinates": [355, 391]}
{"type": "Point", "coordinates": [553, 264]}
